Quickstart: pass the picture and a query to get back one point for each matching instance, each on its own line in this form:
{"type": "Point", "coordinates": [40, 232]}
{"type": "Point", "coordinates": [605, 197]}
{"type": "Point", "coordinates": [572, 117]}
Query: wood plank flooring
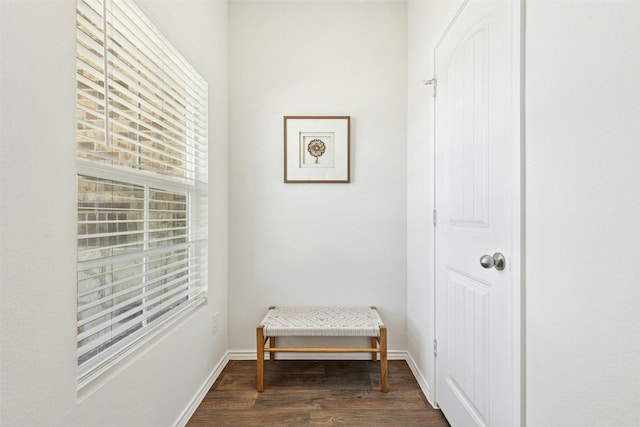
{"type": "Point", "coordinates": [316, 393]}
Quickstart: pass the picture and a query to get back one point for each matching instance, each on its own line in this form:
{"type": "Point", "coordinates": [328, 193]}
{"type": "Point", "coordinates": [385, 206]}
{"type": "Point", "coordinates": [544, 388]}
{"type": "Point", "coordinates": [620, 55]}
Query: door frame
{"type": "Point", "coordinates": [517, 260]}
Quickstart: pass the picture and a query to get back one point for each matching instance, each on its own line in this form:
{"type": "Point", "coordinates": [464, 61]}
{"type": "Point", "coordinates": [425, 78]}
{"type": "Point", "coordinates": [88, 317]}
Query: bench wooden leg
{"type": "Point", "coordinates": [272, 344]}
{"type": "Point", "coordinates": [260, 358]}
{"type": "Point", "coordinates": [374, 345]}
{"type": "Point", "coordinates": [383, 359]}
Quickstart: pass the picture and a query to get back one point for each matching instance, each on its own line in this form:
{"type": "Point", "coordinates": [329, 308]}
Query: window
{"type": "Point", "coordinates": [142, 182]}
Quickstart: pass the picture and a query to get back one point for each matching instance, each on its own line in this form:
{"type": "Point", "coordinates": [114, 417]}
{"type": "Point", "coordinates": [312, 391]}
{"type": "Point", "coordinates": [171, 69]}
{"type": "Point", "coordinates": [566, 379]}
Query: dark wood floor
{"type": "Point", "coordinates": [306, 393]}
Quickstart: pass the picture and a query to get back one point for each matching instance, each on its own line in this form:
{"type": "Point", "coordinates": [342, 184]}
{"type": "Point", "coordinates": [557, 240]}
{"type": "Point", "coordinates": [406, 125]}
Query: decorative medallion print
{"type": "Point", "coordinates": [316, 148]}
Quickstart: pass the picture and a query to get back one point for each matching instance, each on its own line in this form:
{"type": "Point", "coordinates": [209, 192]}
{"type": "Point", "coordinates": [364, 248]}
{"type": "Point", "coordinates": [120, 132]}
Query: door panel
{"type": "Point", "coordinates": [468, 350]}
{"type": "Point", "coordinates": [468, 86]}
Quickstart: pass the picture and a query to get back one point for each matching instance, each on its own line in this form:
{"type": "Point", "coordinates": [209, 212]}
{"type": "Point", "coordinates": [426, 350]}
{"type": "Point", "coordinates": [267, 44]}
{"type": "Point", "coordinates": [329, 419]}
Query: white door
{"type": "Point", "coordinates": [477, 183]}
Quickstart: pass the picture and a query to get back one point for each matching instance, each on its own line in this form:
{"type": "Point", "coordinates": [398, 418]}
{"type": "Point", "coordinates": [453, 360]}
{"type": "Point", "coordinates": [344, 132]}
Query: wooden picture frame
{"type": "Point", "coordinates": [317, 149]}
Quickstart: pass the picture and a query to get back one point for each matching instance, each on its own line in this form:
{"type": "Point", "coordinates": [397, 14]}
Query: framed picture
{"type": "Point", "coordinates": [316, 149]}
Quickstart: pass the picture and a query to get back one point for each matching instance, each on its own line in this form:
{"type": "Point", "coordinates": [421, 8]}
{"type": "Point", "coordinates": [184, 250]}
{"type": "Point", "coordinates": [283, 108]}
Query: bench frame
{"type": "Point", "coordinates": [378, 346]}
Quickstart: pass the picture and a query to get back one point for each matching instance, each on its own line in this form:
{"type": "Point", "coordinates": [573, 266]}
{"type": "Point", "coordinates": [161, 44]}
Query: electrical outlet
{"type": "Point", "coordinates": [214, 323]}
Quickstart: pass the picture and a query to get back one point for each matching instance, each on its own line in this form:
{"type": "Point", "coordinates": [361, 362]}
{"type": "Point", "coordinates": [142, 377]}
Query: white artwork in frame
{"type": "Point", "coordinates": [317, 149]}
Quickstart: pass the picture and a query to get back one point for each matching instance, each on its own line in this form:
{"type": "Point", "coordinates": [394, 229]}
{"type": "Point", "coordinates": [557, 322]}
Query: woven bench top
{"type": "Point", "coordinates": [322, 321]}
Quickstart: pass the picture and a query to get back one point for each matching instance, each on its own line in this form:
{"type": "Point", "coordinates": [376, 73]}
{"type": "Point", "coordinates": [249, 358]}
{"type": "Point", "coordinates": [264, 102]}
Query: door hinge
{"type": "Point", "coordinates": [435, 217]}
{"type": "Point", "coordinates": [435, 348]}
{"type": "Point", "coordinates": [433, 82]}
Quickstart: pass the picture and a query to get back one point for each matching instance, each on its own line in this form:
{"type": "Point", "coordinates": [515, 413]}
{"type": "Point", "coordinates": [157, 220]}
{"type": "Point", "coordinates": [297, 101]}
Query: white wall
{"type": "Point", "coordinates": [317, 244]}
{"type": "Point", "coordinates": [583, 207]}
{"type": "Point", "coordinates": [583, 213]}
{"type": "Point", "coordinates": [38, 229]}
{"type": "Point", "coordinates": [426, 23]}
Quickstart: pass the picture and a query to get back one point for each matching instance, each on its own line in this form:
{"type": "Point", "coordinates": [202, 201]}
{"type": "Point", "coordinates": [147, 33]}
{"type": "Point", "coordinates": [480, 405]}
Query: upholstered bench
{"type": "Point", "coordinates": [321, 322]}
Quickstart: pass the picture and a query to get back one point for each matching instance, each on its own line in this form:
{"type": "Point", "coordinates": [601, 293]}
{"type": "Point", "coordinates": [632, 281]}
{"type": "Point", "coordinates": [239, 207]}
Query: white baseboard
{"type": "Point", "coordinates": [202, 392]}
{"type": "Point", "coordinates": [422, 382]}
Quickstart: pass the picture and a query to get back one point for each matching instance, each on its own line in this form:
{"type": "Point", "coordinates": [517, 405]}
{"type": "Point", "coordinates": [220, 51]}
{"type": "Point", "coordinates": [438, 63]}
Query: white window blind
{"type": "Point", "coordinates": [142, 181]}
